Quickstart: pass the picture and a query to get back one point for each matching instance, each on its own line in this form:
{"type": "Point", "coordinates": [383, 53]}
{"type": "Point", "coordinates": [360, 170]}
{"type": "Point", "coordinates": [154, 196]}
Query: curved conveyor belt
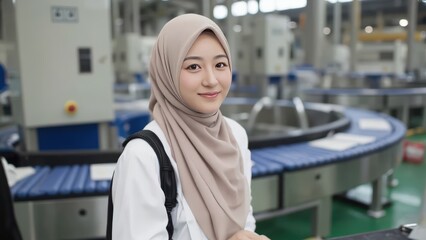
{"type": "Point", "coordinates": [286, 178]}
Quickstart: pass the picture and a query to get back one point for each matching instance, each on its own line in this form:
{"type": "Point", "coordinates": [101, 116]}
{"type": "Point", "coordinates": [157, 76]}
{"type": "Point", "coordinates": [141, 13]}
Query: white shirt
{"type": "Point", "coordinates": [139, 211]}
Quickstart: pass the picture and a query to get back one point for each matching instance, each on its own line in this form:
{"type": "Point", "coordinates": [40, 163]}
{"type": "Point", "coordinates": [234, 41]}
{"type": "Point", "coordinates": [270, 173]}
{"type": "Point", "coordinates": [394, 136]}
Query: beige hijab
{"type": "Point", "coordinates": [208, 157]}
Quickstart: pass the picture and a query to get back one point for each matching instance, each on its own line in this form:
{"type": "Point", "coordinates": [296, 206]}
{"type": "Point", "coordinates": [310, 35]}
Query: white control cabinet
{"type": "Point", "coordinates": [64, 74]}
{"type": "Point", "coordinates": [382, 58]}
{"type": "Point", "coordinates": [132, 54]}
{"type": "Point", "coordinates": [271, 47]}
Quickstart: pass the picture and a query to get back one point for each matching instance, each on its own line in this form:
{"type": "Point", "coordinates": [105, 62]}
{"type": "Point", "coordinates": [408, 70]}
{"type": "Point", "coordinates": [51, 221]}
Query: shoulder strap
{"type": "Point", "coordinates": [167, 177]}
{"type": "Point", "coordinates": [110, 212]}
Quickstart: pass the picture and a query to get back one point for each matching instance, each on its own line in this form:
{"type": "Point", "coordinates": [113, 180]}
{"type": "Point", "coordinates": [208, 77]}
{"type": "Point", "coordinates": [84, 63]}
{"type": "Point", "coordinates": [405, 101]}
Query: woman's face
{"type": "Point", "coordinates": [205, 77]}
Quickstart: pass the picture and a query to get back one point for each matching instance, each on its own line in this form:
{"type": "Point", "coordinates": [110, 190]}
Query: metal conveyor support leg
{"type": "Point", "coordinates": [376, 207]}
{"type": "Point", "coordinates": [322, 218]}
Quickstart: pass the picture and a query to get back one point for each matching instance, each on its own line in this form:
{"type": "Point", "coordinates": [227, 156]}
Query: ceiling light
{"type": "Point", "coordinates": [403, 22]}
{"type": "Point", "coordinates": [220, 12]}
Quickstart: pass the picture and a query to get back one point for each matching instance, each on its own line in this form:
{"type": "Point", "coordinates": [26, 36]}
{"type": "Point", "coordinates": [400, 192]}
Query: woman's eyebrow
{"type": "Point", "coordinates": [192, 57]}
{"type": "Point", "coordinates": [221, 56]}
{"type": "Point", "coordinates": [200, 58]}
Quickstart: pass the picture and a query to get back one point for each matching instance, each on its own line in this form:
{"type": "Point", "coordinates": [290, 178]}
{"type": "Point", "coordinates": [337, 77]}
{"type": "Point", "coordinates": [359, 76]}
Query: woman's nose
{"type": "Point", "coordinates": [210, 78]}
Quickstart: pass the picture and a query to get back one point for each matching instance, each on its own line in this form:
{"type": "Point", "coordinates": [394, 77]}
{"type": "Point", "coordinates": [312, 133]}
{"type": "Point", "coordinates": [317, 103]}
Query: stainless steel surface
{"type": "Point", "coordinates": [411, 30]}
{"type": "Point", "coordinates": [367, 102]}
{"type": "Point", "coordinates": [78, 218]}
{"type": "Point", "coordinates": [355, 26]}
{"type": "Point", "coordinates": [257, 107]}
{"type": "Point", "coordinates": [376, 209]}
{"type": "Point", "coordinates": [313, 32]}
{"type": "Point", "coordinates": [301, 113]}
{"type": "Point", "coordinates": [322, 217]}
{"type": "Point", "coordinates": [361, 81]}
{"type": "Point", "coordinates": [280, 118]}
{"type": "Point", "coordinates": [265, 192]}
{"type": "Point", "coordinates": [327, 180]}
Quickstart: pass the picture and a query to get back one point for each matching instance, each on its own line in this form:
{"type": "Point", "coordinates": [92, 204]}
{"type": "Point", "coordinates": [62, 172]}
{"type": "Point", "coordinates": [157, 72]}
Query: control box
{"type": "Point", "coordinates": [63, 74]}
{"type": "Point", "coordinates": [271, 46]}
{"type": "Point", "coordinates": [132, 54]}
{"type": "Point", "coordinates": [381, 58]}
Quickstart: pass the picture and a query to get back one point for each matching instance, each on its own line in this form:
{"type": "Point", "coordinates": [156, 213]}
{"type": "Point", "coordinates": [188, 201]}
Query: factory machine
{"type": "Point", "coordinates": [61, 90]}
{"type": "Point", "coordinates": [378, 65]}
{"type": "Point", "coordinates": [264, 53]}
{"type": "Point", "coordinates": [381, 57]}
{"type": "Point", "coordinates": [131, 55]}
{"type": "Point", "coordinates": [379, 83]}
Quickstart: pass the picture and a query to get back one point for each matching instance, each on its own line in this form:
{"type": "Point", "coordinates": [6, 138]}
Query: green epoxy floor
{"type": "Point", "coordinates": [348, 218]}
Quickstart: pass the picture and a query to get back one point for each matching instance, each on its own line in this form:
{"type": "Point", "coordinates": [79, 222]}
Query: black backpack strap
{"type": "Point", "coordinates": [167, 178]}
{"type": "Point", "coordinates": [110, 212]}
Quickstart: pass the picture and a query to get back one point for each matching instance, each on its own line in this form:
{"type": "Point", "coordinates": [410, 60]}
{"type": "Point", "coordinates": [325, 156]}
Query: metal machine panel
{"type": "Point", "coordinates": [406, 101]}
{"type": "Point", "coordinates": [64, 52]}
{"type": "Point", "coordinates": [265, 192]}
{"type": "Point", "coordinates": [333, 179]}
{"type": "Point", "coordinates": [381, 58]}
{"type": "Point", "coordinates": [146, 45]}
{"type": "Point", "coordinates": [127, 53]}
{"type": "Point", "coordinates": [368, 102]}
{"type": "Point", "coordinates": [132, 54]}
{"type": "Point", "coordinates": [79, 218]}
{"type": "Point", "coordinates": [271, 44]}
{"type": "Point", "coordinates": [244, 63]}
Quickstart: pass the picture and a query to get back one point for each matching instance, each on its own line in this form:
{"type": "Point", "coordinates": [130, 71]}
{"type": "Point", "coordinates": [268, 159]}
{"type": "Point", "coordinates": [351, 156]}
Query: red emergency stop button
{"type": "Point", "coordinates": [71, 107]}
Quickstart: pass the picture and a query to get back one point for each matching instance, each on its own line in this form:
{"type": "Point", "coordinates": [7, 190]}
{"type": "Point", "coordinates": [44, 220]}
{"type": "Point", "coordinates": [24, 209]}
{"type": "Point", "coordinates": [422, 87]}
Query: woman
{"type": "Point", "coordinates": [190, 73]}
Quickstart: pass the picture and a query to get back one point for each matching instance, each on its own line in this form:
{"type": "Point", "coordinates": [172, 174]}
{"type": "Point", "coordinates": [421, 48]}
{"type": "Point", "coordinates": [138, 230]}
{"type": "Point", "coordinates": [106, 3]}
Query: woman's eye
{"type": "Point", "coordinates": [193, 67]}
{"type": "Point", "coordinates": [221, 65]}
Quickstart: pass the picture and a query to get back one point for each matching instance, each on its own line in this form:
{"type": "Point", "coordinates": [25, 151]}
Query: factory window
{"type": "Point", "coordinates": [85, 60]}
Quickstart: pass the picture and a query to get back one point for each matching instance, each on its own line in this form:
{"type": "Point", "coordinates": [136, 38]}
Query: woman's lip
{"type": "Point", "coordinates": [209, 94]}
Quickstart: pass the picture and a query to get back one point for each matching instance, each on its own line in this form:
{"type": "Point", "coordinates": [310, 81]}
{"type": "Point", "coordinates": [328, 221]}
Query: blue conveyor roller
{"type": "Point", "coordinates": [75, 180]}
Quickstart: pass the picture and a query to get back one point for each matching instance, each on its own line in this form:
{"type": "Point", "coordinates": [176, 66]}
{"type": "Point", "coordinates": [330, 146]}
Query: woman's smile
{"type": "Point", "coordinates": [209, 94]}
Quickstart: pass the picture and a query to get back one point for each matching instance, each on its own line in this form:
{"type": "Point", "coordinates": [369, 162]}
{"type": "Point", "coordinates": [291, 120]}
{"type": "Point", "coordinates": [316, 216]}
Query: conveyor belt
{"type": "Point", "coordinates": [59, 182]}
{"type": "Point", "coordinates": [52, 192]}
{"type": "Point", "coordinates": [75, 180]}
{"type": "Point", "coordinates": [302, 155]}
